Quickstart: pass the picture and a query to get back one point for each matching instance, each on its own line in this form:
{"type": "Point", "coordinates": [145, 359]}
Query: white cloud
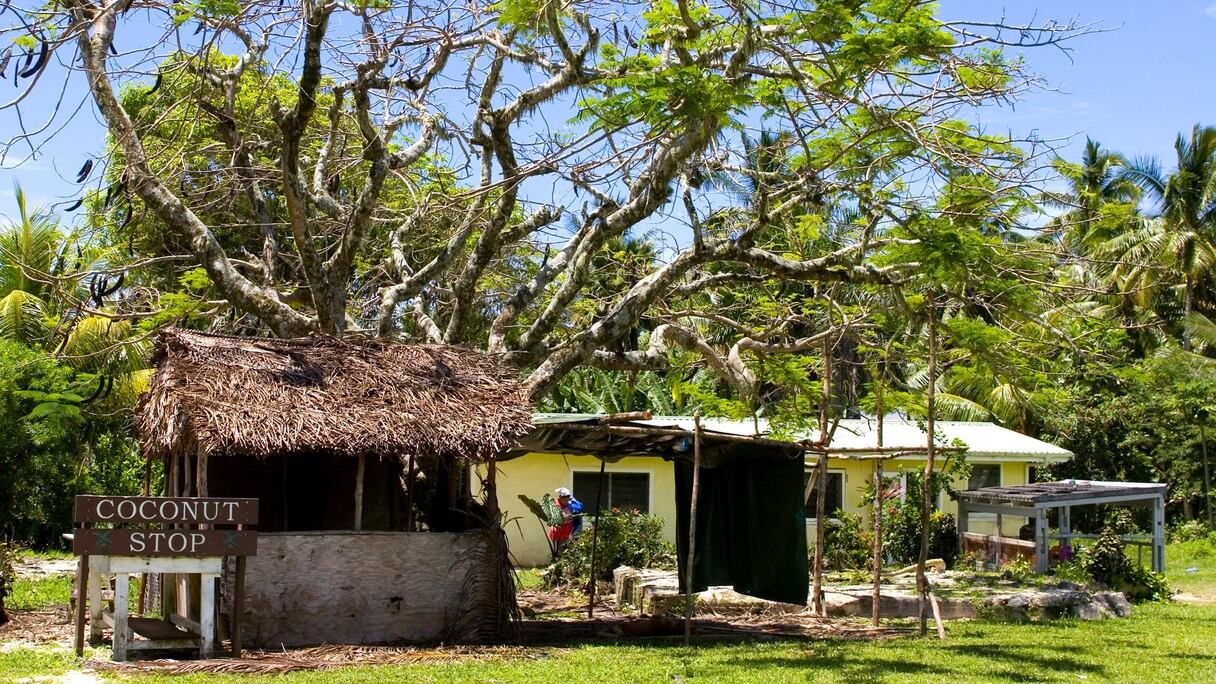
{"type": "Point", "coordinates": [1210, 10]}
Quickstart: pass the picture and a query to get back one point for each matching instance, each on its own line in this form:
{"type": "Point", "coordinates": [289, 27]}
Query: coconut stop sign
{"type": "Point", "coordinates": [165, 526]}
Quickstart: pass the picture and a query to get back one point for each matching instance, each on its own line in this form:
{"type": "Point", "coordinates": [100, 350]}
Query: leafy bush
{"type": "Point", "coordinates": [1107, 562]}
{"type": "Point", "coordinates": [1020, 569]}
{"type": "Point", "coordinates": [8, 575]}
{"type": "Point", "coordinates": [901, 535]}
{"type": "Point", "coordinates": [52, 449]}
{"type": "Point", "coordinates": [624, 538]}
{"type": "Point", "coordinates": [1190, 531]}
{"type": "Point", "coordinates": [901, 526]}
{"type": "Point", "coordinates": [847, 544]}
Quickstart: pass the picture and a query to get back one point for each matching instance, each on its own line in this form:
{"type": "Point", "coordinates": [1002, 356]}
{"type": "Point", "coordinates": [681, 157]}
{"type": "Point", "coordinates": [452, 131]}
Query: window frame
{"type": "Point", "coordinates": [844, 497]}
{"type": "Point", "coordinates": [1000, 472]}
{"type": "Point", "coordinates": [648, 472]}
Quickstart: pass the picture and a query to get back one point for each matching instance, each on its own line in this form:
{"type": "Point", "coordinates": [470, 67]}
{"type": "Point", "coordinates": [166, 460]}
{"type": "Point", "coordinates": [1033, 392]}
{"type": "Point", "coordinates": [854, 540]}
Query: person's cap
{"type": "Point", "coordinates": [562, 491]}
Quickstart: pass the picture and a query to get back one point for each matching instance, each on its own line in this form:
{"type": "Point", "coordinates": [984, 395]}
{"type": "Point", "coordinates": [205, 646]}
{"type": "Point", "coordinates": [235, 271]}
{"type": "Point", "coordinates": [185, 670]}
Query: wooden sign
{"type": "Point", "coordinates": [165, 509]}
{"type": "Point", "coordinates": [136, 522]}
{"type": "Point", "coordinates": [134, 542]}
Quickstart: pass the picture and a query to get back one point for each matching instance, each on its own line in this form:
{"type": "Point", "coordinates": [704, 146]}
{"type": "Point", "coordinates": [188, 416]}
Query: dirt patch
{"type": "Point", "coordinates": [320, 658]}
{"type": "Point", "coordinates": [541, 603]}
{"type": "Point", "coordinates": [35, 568]}
{"type": "Point", "coordinates": [69, 677]}
{"type": "Point", "coordinates": [37, 627]}
{"type": "Point", "coordinates": [559, 617]}
{"type": "Point", "coordinates": [1194, 599]}
{"type": "Point", "coordinates": [800, 626]}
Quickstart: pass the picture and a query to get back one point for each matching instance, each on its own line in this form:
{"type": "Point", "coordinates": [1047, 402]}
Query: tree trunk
{"type": "Point", "coordinates": [876, 608]}
{"type": "Point", "coordinates": [821, 468]}
{"type": "Point", "coordinates": [1207, 475]}
{"type": "Point", "coordinates": [1188, 307]}
{"type": "Point", "coordinates": [922, 582]}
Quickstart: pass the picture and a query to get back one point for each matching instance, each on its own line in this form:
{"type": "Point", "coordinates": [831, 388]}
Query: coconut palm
{"type": "Point", "coordinates": [1097, 181]}
{"type": "Point", "coordinates": [108, 364]}
{"type": "Point", "coordinates": [1181, 238]}
{"type": "Point", "coordinates": [27, 254]}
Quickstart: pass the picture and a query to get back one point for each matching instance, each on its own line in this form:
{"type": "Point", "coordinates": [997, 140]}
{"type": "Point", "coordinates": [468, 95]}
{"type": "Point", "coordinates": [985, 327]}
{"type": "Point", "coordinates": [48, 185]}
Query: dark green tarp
{"type": "Point", "coordinates": [751, 523]}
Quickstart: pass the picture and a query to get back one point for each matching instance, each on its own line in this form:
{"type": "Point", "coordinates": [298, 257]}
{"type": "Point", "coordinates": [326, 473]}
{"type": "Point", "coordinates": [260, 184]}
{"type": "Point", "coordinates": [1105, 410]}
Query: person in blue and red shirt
{"type": "Point", "coordinates": [572, 518]}
{"type": "Point", "coordinates": [572, 510]}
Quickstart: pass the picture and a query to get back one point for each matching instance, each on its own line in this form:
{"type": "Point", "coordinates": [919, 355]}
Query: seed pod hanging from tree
{"type": "Point", "coordinates": [44, 52]}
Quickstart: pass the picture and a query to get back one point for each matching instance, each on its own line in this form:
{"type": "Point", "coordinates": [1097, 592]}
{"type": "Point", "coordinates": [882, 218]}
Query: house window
{"type": "Point", "coordinates": [984, 475]}
{"type": "Point", "coordinates": [626, 491]}
{"type": "Point", "coordinates": [834, 500]}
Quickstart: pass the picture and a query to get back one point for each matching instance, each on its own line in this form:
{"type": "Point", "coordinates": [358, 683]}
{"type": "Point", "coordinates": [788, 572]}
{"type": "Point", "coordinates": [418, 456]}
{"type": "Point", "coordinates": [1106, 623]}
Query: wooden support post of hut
{"type": "Point", "coordinates": [301, 425]}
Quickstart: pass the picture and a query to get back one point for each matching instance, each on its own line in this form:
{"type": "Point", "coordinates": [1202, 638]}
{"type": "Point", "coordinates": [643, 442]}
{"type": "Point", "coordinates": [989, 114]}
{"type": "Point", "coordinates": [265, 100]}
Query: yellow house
{"type": "Point", "coordinates": [997, 456]}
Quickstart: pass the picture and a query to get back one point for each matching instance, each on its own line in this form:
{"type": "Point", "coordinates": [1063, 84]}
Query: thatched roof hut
{"type": "Point", "coordinates": [265, 397]}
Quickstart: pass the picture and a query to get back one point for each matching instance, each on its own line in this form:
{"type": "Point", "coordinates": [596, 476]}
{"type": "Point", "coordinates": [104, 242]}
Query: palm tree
{"type": "Point", "coordinates": [1097, 181]}
{"type": "Point", "coordinates": [107, 363]}
{"type": "Point", "coordinates": [27, 254]}
{"type": "Point", "coordinates": [1181, 238]}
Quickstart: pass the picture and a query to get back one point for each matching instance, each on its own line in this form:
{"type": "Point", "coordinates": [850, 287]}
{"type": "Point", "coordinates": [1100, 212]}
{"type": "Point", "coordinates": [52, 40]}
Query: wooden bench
{"type": "Point", "coordinates": [175, 631]}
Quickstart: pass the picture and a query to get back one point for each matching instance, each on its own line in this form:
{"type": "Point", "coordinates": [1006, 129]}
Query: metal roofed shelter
{"type": "Point", "coordinates": [750, 531]}
{"type": "Point", "coordinates": [1035, 501]}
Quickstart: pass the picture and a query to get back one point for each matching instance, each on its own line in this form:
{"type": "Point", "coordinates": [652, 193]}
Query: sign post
{"type": "Point", "coordinates": [179, 535]}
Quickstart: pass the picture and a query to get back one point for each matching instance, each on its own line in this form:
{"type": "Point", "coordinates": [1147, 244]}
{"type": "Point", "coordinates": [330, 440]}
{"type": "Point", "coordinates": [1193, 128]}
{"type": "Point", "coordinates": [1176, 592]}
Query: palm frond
{"type": "Point", "coordinates": [22, 316]}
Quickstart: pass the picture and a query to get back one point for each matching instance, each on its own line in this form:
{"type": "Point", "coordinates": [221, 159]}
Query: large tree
{"type": "Point", "coordinates": [557, 129]}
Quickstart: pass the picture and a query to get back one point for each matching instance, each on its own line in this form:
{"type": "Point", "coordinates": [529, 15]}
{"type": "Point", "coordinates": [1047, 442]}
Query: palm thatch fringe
{"type": "Point", "coordinates": [262, 397]}
{"type": "Point", "coordinates": [488, 608]}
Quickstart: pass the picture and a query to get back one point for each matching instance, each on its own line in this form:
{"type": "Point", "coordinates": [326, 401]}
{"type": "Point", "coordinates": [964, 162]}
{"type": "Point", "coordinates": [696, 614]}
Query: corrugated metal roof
{"type": "Point", "coordinates": [982, 439]}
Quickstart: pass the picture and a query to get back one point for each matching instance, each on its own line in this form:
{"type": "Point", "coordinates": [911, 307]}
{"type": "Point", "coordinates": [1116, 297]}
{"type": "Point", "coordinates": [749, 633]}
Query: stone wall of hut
{"type": "Point", "coordinates": [308, 588]}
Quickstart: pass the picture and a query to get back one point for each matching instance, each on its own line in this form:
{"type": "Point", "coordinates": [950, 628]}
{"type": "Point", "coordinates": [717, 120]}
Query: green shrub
{"type": "Point", "coordinates": [1107, 562]}
{"type": "Point", "coordinates": [1189, 531]}
{"type": "Point", "coordinates": [901, 524]}
{"type": "Point", "coordinates": [1072, 571]}
{"type": "Point", "coordinates": [1020, 569]}
{"type": "Point", "coordinates": [847, 544]}
{"type": "Point", "coordinates": [8, 575]}
{"type": "Point", "coordinates": [901, 535]}
{"type": "Point", "coordinates": [624, 538]}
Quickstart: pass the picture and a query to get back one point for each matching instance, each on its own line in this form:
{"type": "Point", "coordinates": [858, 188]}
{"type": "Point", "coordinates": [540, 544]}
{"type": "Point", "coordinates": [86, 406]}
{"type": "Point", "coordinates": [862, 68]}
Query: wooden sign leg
{"type": "Point", "coordinates": [206, 618]}
{"type": "Point", "coordinates": [96, 606]}
{"type": "Point", "coordinates": [82, 597]}
{"type": "Point", "coordinates": [121, 632]}
{"type": "Point", "coordinates": [238, 607]}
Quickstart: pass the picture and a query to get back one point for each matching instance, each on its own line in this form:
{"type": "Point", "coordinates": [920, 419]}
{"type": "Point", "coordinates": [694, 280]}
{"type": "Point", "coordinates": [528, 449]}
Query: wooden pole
{"type": "Point", "coordinates": [168, 581]}
{"type": "Point", "coordinates": [876, 598]}
{"type": "Point", "coordinates": [200, 481]}
{"type": "Point", "coordinates": [142, 603]}
{"type": "Point", "coordinates": [410, 475]}
{"type": "Point", "coordinates": [189, 475]}
{"type": "Point", "coordinates": [359, 470]}
{"type": "Point", "coordinates": [822, 493]}
{"type": "Point", "coordinates": [238, 607]}
{"type": "Point", "coordinates": [922, 581]}
{"type": "Point", "coordinates": [82, 597]}
{"type": "Point", "coordinates": [492, 487]}
{"type": "Point", "coordinates": [595, 538]}
{"type": "Point", "coordinates": [692, 527]}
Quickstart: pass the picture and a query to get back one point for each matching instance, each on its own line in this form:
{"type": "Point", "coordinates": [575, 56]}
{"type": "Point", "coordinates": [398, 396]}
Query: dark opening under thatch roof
{"type": "Point", "coordinates": [260, 397]}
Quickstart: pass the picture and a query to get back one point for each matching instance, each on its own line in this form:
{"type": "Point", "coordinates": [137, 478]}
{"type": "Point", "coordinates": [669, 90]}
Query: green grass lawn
{"type": "Point", "coordinates": [45, 592]}
{"type": "Point", "coordinates": [1200, 556]}
{"type": "Point", "coordinates": [1159, 643]}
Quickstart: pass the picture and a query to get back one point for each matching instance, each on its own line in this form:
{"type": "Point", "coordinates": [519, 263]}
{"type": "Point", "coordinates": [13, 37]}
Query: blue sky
{"type": "Point", "coordinates": [1133, 87]}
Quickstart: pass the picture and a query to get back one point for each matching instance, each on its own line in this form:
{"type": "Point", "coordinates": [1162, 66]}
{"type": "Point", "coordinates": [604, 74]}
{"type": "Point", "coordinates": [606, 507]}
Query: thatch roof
{"type": "Point", "coordinates": [259, 397]}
